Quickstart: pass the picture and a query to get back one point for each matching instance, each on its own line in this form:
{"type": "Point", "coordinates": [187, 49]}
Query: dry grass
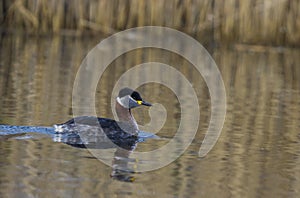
{"type": "Point", "coordinates": [267, 22]}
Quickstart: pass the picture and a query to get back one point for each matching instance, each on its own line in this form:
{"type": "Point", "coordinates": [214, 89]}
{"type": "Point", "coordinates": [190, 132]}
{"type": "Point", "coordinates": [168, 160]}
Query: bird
{"type": "Point", "coordinates": [93, 129]}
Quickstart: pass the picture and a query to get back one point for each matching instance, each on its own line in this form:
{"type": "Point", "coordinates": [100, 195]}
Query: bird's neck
{"type": "Point", "coordinates": [125, 115]}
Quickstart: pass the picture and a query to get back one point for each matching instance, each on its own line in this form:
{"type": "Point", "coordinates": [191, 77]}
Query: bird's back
{"type": "Point", "coordinates": [93, 127]}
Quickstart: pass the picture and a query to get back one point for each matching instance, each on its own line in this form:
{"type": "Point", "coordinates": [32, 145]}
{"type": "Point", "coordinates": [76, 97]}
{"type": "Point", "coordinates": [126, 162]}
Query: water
{"type": "Point", "coordinates": [257, 154]}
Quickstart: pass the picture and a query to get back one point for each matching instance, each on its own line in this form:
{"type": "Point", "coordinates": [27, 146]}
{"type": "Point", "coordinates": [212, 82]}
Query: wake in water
{"type": "Point", "coordinates": [14, 130]}
{"type": "Point", "coordinates": [18, 132]}
{"type": "Point", "coordinates": [68, 138]}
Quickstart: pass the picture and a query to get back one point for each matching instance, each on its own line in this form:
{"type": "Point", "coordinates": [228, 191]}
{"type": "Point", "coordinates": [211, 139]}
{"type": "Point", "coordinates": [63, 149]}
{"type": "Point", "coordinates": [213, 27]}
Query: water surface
{"type": "Point", "coordinates": [257, 154]}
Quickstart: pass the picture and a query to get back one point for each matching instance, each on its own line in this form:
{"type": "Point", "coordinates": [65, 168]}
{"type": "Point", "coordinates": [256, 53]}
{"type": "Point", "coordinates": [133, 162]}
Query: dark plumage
{"type": "Point", "coordinates": [91, 130]}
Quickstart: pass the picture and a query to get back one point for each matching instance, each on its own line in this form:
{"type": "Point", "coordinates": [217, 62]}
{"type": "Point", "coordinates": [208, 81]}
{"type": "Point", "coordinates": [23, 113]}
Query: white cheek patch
{"type": "Point", "coordinates": [124, 101]}
{"type": "Point", "coordinates": [127, 102]}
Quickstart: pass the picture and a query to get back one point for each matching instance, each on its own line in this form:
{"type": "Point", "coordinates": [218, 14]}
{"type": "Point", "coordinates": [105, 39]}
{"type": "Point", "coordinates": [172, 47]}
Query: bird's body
{"type": "Point", "coordinates": [93, 129]}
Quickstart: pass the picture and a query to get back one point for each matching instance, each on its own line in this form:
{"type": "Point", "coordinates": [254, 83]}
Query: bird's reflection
{"type": "Point", "coordinates": [122, 168]}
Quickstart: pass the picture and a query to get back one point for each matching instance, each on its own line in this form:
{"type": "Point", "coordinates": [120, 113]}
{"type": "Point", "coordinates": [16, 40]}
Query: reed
{"type": "Point", "coordinates": [250, 21]}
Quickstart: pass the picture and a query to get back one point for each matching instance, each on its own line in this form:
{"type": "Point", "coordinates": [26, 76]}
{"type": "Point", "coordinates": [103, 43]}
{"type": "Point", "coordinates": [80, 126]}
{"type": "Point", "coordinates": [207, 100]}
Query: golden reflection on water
{"type": "Point", "coordinates": [256, 155]}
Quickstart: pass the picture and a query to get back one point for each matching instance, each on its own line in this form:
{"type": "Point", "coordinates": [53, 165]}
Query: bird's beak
{"type": "Point", "coordinates": [145, 103]}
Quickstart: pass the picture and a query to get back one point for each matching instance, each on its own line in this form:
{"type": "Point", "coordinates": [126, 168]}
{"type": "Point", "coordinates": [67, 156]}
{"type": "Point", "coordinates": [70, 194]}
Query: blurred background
{"type": "Point", "coordinates": [256, 45]}
{"type": "Point", "coordinates": [262, 22]}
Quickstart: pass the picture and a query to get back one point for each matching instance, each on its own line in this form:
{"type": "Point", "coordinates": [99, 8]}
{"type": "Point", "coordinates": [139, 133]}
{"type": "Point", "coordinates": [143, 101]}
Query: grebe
{"type": "Point", "coordinates": [90, 128]}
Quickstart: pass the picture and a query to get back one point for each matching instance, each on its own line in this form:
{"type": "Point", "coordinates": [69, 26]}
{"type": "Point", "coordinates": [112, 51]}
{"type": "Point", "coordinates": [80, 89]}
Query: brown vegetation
{"type": "Point", "coordinates": [250, 21]}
